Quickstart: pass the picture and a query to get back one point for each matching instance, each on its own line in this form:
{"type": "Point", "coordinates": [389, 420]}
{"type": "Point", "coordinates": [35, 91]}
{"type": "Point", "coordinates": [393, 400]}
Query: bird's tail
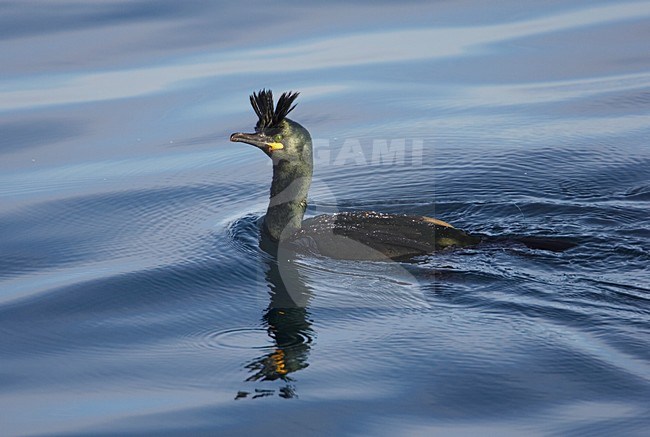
{"type": "Point", "coordinates": [552, 244]}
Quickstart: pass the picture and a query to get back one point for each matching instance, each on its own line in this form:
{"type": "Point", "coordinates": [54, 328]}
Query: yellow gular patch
{"type": "Point", "coordinates": [278, 362]}
{"type": "Point", "coordinates": [275, 146]}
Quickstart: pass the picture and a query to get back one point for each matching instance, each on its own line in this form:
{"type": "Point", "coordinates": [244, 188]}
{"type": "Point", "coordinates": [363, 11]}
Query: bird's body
{"type": "Point", "coordinates": [349, 235]}
{"type": "Point", "coordinates": [375, 236]}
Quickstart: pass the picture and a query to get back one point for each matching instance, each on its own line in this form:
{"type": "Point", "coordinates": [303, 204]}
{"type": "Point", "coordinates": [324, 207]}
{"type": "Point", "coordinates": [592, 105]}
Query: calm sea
{"type": "Point", "coordinates": [135, 297]}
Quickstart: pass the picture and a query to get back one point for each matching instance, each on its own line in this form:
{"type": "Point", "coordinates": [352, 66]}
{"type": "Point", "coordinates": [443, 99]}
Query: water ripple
{"type": "Point", "coordinates": [380, 47]}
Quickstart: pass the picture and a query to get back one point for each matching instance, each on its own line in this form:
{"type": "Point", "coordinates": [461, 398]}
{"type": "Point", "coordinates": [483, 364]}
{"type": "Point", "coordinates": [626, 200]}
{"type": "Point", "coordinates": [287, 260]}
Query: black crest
{"type": "Point", "coordinates": [262, 103]}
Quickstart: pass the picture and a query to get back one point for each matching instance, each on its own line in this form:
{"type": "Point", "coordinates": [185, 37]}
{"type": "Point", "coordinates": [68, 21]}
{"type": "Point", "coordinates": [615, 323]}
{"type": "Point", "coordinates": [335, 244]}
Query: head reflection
{"type": "Point", "coordinates": [287, 323]}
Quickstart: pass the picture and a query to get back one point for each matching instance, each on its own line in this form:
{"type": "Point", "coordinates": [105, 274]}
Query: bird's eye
{"type": "Point", "coordinates": [277, 138]}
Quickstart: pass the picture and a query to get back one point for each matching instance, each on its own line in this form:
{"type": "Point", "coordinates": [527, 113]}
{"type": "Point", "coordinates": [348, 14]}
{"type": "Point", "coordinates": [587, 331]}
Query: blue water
{"type": "Point", "coordinates": [135, 298]}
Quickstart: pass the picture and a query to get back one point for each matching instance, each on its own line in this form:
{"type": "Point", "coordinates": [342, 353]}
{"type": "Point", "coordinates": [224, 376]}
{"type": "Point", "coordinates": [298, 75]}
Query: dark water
{"type": "Point", "coordinates": [134, 297]}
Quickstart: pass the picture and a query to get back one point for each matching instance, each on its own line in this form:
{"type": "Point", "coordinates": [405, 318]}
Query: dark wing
{"type": "Point", "coordinates": [375, 236]}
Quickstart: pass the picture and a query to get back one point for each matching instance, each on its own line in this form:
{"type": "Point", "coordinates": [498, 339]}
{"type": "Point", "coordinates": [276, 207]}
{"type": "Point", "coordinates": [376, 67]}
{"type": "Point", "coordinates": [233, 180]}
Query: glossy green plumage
{"type": "Point", "coordinates": [375, 236]}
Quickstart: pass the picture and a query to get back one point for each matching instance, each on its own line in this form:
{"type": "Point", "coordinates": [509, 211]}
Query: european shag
{"type": "Point", "coordinates": [346, 235]}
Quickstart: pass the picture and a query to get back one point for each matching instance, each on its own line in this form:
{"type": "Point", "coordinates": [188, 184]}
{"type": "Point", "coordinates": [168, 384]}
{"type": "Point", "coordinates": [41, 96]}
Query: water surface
{"type": "Point", "coordinates": [135, 297]}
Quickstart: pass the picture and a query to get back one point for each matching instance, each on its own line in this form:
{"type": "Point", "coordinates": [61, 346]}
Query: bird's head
{"type": "Point", "coordinates": [277, 136]}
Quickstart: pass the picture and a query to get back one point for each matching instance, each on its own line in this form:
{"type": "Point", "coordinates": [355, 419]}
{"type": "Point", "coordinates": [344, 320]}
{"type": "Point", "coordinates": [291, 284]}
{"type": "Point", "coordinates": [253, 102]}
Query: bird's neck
{"type": "Point", "coordinates": [288, 202]}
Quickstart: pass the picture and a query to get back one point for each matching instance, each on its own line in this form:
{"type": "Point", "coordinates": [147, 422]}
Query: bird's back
{"type": "Point", "coordinates": [376, 236]}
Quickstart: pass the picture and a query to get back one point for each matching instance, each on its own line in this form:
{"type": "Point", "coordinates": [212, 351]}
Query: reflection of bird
{"type": "Point", "coordinates": [347, 235]}
{"type": "Point", "coordinates": [290, 331]}
{"type": "Point", "coordinates": [288, 325]}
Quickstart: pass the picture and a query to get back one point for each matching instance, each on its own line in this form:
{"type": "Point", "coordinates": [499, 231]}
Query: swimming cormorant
{"type": "Point", "coordinates": [346, 235]}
